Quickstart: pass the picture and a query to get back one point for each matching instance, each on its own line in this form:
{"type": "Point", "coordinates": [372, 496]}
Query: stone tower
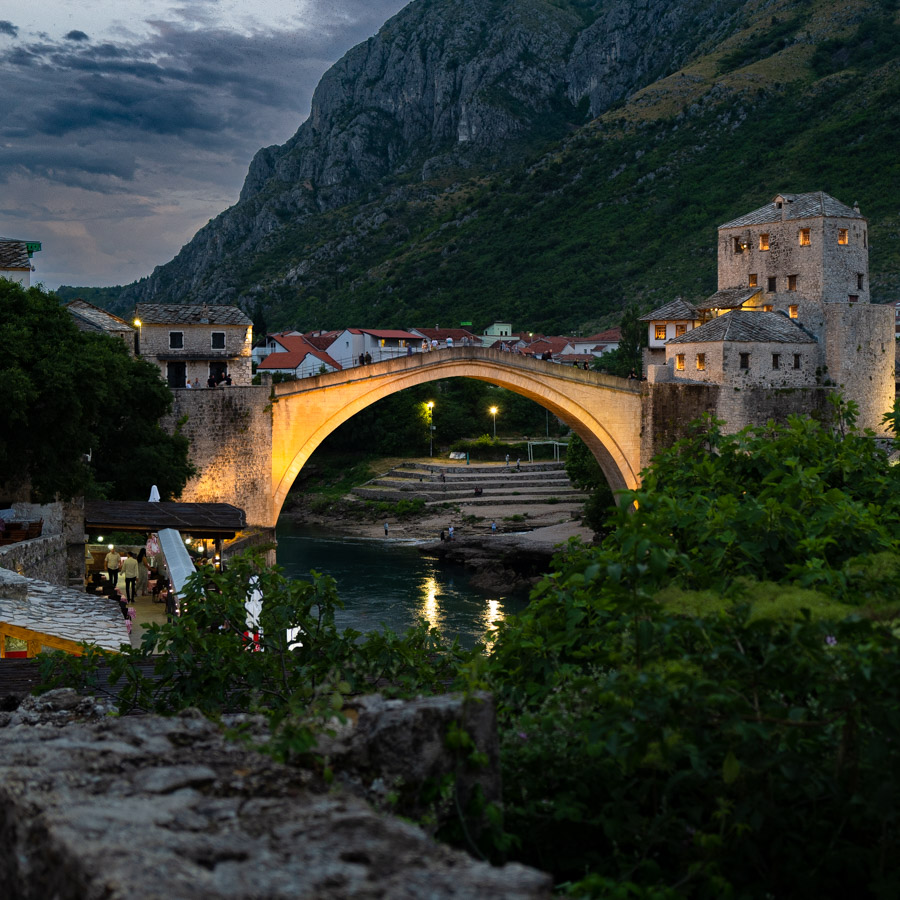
{"type": "Point", "coordinates": [808, 254]}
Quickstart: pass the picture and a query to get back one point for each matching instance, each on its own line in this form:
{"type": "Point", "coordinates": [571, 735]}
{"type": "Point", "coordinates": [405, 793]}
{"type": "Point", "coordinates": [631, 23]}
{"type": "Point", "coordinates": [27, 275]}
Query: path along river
{"type": "Point", "coordinates": [387, 582]}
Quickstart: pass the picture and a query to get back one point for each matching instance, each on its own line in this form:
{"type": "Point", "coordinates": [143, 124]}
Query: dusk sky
{"type": "Point", "coordinates": [125, 126]}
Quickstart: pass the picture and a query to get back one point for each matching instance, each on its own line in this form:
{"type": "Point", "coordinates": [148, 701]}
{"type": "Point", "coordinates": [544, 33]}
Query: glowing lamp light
{"type": "Point", "coordinates": [100, 539]}
{"type": "Point", "coordinates": [137, 323]}
{"type": "Point", "coordinates": [111, 546]}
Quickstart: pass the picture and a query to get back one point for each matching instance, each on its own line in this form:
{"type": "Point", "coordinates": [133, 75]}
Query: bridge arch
{"type": "Point", "coordinates": [603, 410]}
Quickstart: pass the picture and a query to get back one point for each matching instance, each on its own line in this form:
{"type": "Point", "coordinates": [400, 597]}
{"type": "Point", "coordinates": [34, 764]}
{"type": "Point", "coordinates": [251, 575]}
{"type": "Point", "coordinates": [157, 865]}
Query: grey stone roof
{"type": "Point", "coordinates": [13, 255]}
{"type": "Point", "coordinates": [746, 326]}
{"type": "Point", "coordinates": [189, 314]}
{"type": "Point", "coordinates": [677, 310]}
{"type": "Point", "coordinates": [96, 318]}
{"type": "Point", "coordinates": [66, 613]}
{"type": "Point", "coordinates": [796, 206]}
{"type": "Point", "coordinates": [729, 298]}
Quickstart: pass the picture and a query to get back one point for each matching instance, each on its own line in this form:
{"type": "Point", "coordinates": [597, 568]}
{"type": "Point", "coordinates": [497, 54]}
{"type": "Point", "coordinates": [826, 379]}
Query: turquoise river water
{"type": "Point", "coordinates": [388, 582]}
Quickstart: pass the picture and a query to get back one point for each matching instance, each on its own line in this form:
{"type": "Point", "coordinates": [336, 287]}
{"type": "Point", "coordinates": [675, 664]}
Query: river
{"type": "Point", "coordinates": [388, 582]}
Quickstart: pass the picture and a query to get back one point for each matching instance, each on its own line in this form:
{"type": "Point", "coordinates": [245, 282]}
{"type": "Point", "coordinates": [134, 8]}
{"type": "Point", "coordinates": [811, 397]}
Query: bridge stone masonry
{"type": "Point", "coordinates": [249, 443]}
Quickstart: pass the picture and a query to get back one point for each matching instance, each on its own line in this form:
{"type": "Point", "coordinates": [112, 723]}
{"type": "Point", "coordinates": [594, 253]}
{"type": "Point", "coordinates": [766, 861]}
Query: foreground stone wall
{"type": "Point", "coordinates": [230, 430]}
{"type": "Point", "coordinates": [148, 807]}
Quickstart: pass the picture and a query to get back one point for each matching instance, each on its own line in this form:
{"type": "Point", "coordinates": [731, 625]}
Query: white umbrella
{"type": "Point", "coordinates": [154, 494]}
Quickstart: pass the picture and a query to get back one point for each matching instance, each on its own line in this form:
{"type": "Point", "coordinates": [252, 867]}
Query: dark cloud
{"type": "Point", "coordinates": [8, 28]}
{"type": "Point", "coordinates": [173, 119]}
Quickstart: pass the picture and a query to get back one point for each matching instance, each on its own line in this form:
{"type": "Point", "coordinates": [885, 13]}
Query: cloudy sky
{"type": "Point", "coordinates": [126, 124]}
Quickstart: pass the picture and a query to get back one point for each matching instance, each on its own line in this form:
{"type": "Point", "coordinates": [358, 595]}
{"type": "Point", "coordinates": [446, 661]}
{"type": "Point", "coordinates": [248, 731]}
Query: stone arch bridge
{"type": "Point", "coordinates": [249, 443]}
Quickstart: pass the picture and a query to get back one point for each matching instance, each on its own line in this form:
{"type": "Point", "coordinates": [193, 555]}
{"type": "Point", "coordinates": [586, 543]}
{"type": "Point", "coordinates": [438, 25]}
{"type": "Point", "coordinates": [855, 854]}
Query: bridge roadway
{"type": "Point", "coordinates": [603, 410]}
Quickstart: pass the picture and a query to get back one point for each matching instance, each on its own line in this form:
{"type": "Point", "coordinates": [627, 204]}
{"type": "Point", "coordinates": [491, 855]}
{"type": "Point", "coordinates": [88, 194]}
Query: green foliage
{"type": "Point", "coordinates": [295, 670]}
{"type": "Point", "coordinates": [68, 393]}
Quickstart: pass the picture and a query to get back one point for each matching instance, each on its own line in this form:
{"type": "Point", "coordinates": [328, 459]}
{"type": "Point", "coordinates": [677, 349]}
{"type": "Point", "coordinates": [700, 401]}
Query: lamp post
{"type": "Point", "coordinates": [430, 406]}
{"type": "Point", "coordinates": [493, 411]}
{"type": "Point", "coordinates": [137, 337]}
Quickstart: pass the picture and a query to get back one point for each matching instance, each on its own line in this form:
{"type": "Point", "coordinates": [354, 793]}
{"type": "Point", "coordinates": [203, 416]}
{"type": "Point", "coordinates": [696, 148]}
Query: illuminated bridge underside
{"type": "Point", "coordinates": [604, 411]}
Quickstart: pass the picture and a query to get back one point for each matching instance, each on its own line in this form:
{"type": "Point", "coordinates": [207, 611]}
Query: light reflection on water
{"type": "Point", "coordinates": [389, 583]}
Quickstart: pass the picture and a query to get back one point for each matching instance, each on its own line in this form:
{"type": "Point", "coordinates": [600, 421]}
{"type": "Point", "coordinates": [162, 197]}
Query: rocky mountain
{"type": "Point", "coordinates": [549, 160]}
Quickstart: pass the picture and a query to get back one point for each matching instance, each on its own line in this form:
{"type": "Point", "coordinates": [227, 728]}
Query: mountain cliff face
{"type": "Point", "coordinates": [446, 85]}
{"type": "Point", "coordinates": [547, 162]}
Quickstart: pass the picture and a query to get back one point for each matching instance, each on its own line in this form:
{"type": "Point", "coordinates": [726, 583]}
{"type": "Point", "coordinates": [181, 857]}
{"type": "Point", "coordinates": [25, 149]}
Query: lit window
{"type": "Point", "coordinates": [176, 340]}
{"type": "Point", "coordinates": [860, 280]}
{"type": "Point", "coordinates": [843, 236]}
{"type": "Point", "coordinates": [804, 237]}
{"type": "Point", "coordinates": [796, 360]}
{"type": "Point", "coordinates": [218, 340]}
{"type": "Point", "coordinates": [751, 279]}
{"type": "Point", "coordinates": [701, 362]}
{"type": "Point", "coordinates": [767, 307]}
{"type": "Point", "coordinates": [739, 245]}
{"type": "Point", "coordinates": [660, 332]}
{"type": "Point", "coordinates": [792, 310]}
{"type": "Point", "coordinates": [792, 282]}
{"type": "Point", "coordinates": [680, 330]}
{"type": "Point", "coordinates": [776, 360]}
{"type": "Point", "coordinates": [679, 362]}
{"type": "Point", "coordinates": [771, 284]}
{"type": "Point", "coordinates": [763, 242]}
{"type": "Point", "coordinates": [745, 360]}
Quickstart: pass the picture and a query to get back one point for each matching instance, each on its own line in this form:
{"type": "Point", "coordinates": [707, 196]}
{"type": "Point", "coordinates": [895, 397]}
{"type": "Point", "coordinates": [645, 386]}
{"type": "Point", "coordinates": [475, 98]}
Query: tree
{"type": "Point", "coordinates": [627, 357]}
{"type": "Point", "coordinates": [68, 394]}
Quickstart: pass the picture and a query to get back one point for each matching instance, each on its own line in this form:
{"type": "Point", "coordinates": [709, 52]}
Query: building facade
{"type": "Point", "coordinates": [195, 343]}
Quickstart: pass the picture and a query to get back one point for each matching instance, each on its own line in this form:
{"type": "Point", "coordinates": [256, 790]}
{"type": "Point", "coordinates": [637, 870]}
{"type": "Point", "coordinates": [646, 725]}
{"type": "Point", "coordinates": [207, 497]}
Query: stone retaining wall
{"type": "Point", "coordinates": [149, 807]}
{"type": "Point", "coordinates": [43, 558]}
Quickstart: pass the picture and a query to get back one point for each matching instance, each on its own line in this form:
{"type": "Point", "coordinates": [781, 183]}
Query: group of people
{"type": "Point", "coordinates": [223, 378]}
{"type": "Point", "coordinates": [365, 359]}
{"type": "Point", "coordinates": [134, 569]}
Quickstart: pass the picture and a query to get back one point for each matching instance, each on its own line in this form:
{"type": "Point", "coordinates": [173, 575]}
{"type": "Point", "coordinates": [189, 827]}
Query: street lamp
{"type": "Point", "coordinates": [493, 411]}
{"type": "Point", "coordinates": [137, 337]}
{"type": "Point", "coordinates": [430, 405]}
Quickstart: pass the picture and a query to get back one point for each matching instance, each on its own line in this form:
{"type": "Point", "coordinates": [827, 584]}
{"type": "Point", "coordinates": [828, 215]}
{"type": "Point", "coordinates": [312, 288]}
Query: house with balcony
{"type": "Point", "coordinates": [195, 343]}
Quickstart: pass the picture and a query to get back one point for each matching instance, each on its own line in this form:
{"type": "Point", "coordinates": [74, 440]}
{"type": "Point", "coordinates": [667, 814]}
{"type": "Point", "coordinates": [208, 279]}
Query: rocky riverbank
{"type": "Point", "coordinates": [507, 562]}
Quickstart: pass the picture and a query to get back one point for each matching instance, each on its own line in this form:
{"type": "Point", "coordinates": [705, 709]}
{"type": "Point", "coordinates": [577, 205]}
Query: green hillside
{"type": "Point", "coordinates": [804, 97]}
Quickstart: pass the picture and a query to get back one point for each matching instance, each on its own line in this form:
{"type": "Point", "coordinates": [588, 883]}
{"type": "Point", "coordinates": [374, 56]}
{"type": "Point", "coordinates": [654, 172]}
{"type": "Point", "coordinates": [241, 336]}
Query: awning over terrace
{"type": "Point", "coordinates": [201, 520]}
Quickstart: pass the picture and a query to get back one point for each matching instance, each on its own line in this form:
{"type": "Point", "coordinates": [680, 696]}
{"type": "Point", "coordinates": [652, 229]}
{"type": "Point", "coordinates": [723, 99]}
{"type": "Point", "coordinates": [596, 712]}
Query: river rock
{"type": "Point", "coordinates": [151, 807]}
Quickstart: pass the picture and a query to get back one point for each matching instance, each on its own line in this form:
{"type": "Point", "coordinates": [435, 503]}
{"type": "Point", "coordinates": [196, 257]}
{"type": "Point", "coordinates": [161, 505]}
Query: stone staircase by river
{"type": "Point", "coordinates": [482, 489]}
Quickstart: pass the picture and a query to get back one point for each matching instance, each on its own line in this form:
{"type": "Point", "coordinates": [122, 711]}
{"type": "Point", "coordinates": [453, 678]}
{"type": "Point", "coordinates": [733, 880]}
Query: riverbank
{"type": "Point", "coordinates": [507, 562]}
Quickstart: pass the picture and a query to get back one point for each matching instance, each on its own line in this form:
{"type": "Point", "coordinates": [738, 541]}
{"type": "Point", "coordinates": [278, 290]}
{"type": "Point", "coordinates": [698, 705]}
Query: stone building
{"type": "Point", "coordinates": [88, 317]}
{"type": "Point", "coordinates": [194, 343]}
{"type": "Point", "coordinates": [792, 309]}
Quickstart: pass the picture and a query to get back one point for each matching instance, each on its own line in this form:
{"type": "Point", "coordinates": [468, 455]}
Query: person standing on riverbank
{"type": "Point", "coordinates": [385, 529]}
{"type": "Point", "coordinates": [493, 527]}
{"type": "Point", "coordinates": [450, 533]}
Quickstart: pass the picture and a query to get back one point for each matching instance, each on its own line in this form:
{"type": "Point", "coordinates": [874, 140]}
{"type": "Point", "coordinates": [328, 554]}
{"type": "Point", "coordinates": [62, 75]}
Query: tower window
{"type": "Point", "coordinates": [853, 298]}
{"type": "Point", "coordinates": [763, 242]}
{"type": "Point", "coordinates": [792, 282]}
{"type": "Point", "coordinates": [751, 279]}
{"type": "Point", "coordinates": [843, 236]}
{"type": "Point", "coordinates": [776, 360]}
{"type": "Point", "coordinates": [796, 360]}
{"type": "Point", "coordinates": [804, 237]}
{"type": "Point", "coordinates": [860, 280]}
{"type": "Point", "coordinates": [660, 332]}
{"type": "Point", "coordinates": [792, 310]}
{"type": "Point", "coordinates": [701, 362]}
{"type": "Point", "coordinates": [679, 362]}
{"type": "Point", "coordinates": [771, 284]}
{"type": "Point", "coordinates": [745, 360]}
